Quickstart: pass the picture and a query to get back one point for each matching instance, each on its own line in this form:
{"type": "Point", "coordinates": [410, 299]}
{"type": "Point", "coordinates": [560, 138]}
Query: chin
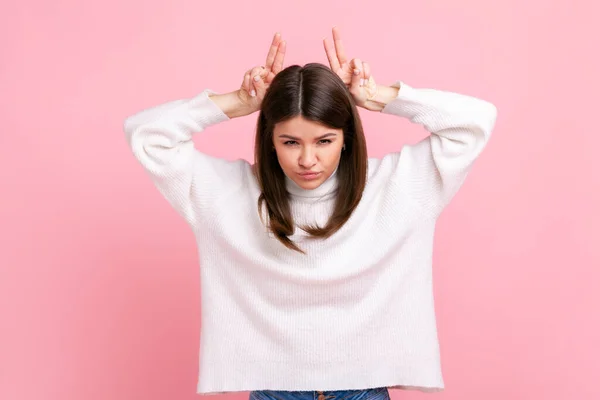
{"type": "Point", "coordinates": [308, 185]}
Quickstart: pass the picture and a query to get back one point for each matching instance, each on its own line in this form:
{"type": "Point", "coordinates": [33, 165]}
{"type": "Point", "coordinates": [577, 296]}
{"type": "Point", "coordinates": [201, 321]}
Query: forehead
{"type": "Point", "coordinates": [299, 126]}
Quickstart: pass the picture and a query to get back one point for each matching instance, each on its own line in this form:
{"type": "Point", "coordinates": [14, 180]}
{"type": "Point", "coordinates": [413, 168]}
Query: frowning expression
{"type": "Point", "coordinates": [307, 151]}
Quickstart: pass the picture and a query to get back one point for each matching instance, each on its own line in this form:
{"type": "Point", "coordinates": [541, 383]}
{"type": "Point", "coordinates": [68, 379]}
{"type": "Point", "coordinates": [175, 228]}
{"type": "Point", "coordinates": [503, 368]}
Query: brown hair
{"type": "Point", "coordinates": [317, 94]}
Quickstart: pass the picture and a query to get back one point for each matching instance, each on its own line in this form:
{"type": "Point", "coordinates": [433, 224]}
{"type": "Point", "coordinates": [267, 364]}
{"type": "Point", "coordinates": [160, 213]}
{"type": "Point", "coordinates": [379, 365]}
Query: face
{"type": "Point", "coordinates": [307, 151]}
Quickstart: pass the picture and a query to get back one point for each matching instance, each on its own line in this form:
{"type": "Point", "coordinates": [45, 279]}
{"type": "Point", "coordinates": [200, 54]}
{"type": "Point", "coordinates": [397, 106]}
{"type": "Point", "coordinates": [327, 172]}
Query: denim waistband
{"type": "Point", "coordinates": [380, 393]}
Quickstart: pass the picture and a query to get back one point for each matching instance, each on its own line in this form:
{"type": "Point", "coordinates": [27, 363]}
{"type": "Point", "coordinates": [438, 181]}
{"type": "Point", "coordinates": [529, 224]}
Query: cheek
{"type": "Point", "coordinates": [332, 155]}
{"type": "Point", "coordinates": [285, 158]}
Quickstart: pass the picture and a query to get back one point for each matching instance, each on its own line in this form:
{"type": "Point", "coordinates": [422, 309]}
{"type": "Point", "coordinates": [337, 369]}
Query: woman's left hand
{"type": "Point", "coordinates": [355, 73]}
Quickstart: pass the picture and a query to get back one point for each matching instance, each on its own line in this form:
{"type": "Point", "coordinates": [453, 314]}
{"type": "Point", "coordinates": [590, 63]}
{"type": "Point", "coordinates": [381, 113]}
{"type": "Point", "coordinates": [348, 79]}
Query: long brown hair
{"type": "Point", "coordinates": [317, 94]}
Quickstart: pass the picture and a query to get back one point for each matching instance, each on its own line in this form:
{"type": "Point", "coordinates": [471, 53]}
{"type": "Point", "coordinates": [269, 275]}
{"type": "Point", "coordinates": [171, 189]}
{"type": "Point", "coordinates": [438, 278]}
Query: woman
{"type": "Point", "coordinates": [315, 260]}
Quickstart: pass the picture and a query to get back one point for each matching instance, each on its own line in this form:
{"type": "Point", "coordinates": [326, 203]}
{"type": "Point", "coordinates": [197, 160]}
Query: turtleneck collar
{"type": "Point", "coordinates": [327, 187]}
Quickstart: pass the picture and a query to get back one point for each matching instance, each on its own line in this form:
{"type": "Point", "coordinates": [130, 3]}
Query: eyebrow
{"type": "Point", "coordinates": [319, 138]}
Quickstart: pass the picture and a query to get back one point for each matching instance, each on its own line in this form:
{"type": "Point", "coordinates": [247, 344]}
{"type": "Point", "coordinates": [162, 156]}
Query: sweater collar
{"type": "Point", "coordinates": [329, 186]}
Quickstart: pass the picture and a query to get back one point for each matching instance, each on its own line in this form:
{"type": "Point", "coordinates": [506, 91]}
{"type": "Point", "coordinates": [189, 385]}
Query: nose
{"type": "Point", "coordinates": [308, 157]}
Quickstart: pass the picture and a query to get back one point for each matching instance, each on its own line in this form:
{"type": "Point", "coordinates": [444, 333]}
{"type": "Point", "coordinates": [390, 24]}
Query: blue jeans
{"type": "Point", "coordinates": [380, 393]}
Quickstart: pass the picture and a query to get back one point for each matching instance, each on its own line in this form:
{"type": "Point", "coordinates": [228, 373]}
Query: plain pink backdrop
{"type": "Point", "coordinates": [99, 281]}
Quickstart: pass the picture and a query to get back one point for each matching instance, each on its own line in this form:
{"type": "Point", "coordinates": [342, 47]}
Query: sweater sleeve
{"type": "Point", "coordinates": [433, 169]}
{"type": "Point", "coordinates": [161, 140]}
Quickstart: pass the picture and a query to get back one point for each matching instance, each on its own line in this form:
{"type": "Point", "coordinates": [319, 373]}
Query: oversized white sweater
{"type": "Point", "coordinates": [355, 312]}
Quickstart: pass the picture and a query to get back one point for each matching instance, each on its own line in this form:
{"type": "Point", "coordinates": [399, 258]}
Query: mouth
{"type": "Point", "coordinates": [309, 175]}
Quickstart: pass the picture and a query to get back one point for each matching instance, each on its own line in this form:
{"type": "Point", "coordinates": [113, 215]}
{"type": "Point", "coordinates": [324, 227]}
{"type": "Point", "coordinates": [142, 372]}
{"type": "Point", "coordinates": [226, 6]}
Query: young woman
{"type": "Point", "coordinates": [316, 273]}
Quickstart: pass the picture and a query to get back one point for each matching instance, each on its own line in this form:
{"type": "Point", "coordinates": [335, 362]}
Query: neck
{"type": "Point", "coordinates": [326, 188]}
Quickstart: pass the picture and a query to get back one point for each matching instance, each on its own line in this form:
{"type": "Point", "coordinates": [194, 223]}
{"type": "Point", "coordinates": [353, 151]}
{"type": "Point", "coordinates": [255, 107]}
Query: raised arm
{"type": "Point", "coordinates": [160, 137]}
{"type": "Point", "coordinates": [433, 169]}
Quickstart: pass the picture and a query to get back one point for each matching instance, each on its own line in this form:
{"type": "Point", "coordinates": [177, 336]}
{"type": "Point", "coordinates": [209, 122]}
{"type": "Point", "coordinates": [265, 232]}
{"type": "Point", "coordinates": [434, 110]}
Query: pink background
{"type": "Point", "coordinates": [99, 282]}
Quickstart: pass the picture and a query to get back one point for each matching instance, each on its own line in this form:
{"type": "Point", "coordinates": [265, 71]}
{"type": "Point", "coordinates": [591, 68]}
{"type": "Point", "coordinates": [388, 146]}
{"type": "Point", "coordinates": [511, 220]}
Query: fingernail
{"type": "Point", "coordinates": [253, 93]}
{"type": "Point", "coordinates": [362, 81]}
{"type": "Point", "coordinates": [356, 71]}
{"type": "Point", "coordinates": [257, 78]}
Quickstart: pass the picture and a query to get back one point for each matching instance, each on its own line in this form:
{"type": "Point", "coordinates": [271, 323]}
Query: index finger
{"type": "Point", "coordinates": [273, 50]}
{"type": "Point", "coordinates": [331, 56]}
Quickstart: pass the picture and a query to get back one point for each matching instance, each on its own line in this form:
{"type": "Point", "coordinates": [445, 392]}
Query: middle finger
{"type": "Point", "coordinates": [279, 56]}
{"type": "Point", "coordinates": [339, 47]}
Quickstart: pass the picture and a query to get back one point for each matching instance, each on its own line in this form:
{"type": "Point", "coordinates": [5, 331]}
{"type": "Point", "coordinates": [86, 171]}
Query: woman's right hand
{"type": "Point", "coordinates": [258, 79]}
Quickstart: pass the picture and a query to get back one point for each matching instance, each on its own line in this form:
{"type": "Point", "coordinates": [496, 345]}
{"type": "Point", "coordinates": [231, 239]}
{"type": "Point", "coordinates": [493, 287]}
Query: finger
{"type": "Point", "coordinates": [339, 46]}
{"type": "Point", "coordinates": [259, 86]}
{"type": "Point", "coordinates": [246, 83]}
{"type": "Point", "coordinates": [367, 71]}
{"type": "Point", "coordinates": [357, 64]}
{"type": "Point", "coordinates": [331, 56]}
{"type": "Point", "coordinates": [257, 71]}
{"type": "Point", "coordinates": [279, 56]}
{"type": "Point", "coordinates": [273, 50]}
{"type": "Point", "coordinates": [356, 77]}
{"type": "Point", "coordinates": [254, 74]}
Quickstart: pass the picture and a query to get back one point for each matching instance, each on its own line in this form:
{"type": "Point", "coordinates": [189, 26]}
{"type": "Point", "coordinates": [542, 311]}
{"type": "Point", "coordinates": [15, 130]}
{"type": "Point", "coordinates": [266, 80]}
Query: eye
{"type": "Point", "coordinates": [324, 141]}
{"type": "Point", "coordinates": [290, 142]}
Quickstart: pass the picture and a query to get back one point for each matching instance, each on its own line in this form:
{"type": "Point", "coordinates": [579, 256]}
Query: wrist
{"type": "Point", "coordinates": [383, 96]}
{"type": "Point", "coordinates": [231, 104]}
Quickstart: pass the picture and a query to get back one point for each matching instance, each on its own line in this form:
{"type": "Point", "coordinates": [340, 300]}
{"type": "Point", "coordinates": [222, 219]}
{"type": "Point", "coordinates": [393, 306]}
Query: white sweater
{"type": "Point", "coordinates": [355, 312]}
